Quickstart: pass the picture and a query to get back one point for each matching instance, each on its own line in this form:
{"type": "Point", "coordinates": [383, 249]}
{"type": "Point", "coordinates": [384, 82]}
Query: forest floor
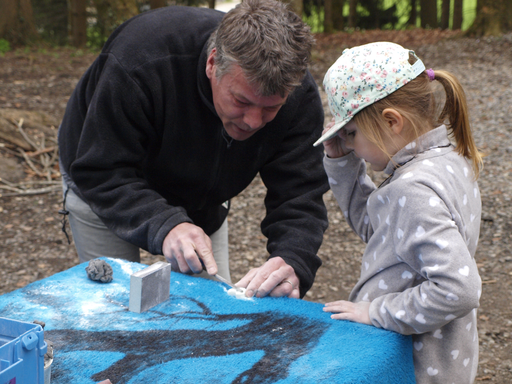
{"type": "Point", "coordinates": [33, 245]}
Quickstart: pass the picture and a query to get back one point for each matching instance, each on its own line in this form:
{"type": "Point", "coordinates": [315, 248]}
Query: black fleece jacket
{"type": "Point", "coordinates": [141, 143]}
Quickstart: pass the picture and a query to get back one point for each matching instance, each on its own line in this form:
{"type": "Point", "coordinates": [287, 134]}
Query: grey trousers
{"type": "Point", "coordinates": [93, 239]}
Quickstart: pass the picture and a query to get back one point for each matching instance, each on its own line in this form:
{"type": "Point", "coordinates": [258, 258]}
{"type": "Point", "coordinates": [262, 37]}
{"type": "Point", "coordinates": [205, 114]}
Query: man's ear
{"type": "Point", "coordinates": [210, 64]}
{"type": "Point", "coordinates": [394, 120]}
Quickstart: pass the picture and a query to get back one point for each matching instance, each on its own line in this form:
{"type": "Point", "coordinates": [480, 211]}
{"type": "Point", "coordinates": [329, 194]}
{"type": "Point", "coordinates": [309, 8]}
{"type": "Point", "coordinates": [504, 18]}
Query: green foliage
{"type": "Point", "coordinates": [5, 46]}
{"type": "Point", "coordinates": [314, 13]}
{"type": "Point", "coordinates": [95, 38]}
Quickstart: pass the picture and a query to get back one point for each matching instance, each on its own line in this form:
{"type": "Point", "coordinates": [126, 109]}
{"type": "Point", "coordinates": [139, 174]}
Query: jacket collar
{"type": "Point", "coordinates": [203, 82]}
{"type": "Point", "coordinates": [435, 140]}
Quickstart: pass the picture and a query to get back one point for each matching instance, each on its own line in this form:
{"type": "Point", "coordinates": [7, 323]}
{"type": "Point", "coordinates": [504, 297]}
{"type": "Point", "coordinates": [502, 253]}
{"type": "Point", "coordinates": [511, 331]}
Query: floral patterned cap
{"type": "Point", "coordinates": [363, 75]}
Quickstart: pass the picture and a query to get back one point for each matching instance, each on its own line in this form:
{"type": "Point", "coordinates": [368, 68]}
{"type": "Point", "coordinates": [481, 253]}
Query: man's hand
{"type": "Point", "coordinates": [274, 278]}
{"type": "Point", "coordinates": [346, 310]}
{"type": "Point", "coordinates": [187, 248]}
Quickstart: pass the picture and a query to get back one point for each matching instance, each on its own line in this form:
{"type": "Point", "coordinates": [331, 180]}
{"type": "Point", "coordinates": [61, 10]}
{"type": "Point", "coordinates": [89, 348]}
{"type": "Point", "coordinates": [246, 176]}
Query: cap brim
{"type": "Point", "coordinates": [331, 132]}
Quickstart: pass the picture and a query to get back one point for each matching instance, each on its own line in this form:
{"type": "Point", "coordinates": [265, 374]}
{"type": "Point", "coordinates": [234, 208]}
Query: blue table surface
{"type": "Point", "coordinates": [200, 335]}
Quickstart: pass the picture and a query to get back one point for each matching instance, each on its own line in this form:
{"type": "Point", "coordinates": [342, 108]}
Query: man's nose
{"type": "Point", "coordinates": [253, 118]}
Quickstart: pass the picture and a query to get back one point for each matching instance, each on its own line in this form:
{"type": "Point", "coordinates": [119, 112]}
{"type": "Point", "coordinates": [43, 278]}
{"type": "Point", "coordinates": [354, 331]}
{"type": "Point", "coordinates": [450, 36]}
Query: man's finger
{"type": "Point", "coordinates": [263, 280]}
{"type": "Point", "coordinates": [286, 288]}
{"type": "Point", "coordinates": [207, 260]}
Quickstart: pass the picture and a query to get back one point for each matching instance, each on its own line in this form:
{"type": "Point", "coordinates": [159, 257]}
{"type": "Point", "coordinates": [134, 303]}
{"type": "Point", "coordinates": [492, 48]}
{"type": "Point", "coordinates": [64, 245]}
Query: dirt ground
{"type": "Point", "coordinates": [33, 245]}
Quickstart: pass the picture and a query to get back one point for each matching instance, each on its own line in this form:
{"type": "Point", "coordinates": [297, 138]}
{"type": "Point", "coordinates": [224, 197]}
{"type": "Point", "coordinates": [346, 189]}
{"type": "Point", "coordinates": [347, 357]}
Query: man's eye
{"type": "Point", "coordinates": [240, 103]}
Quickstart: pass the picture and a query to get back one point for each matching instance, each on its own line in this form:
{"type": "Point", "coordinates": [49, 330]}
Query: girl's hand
{"type": "Point", "coordinates": [335, 147]}
{"type": "Point", "coordinates": [346, 310]}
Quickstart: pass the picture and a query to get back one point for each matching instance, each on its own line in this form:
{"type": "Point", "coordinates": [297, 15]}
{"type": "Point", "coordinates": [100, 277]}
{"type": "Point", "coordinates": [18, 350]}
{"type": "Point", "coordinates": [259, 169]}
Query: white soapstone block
{"type": "Point", "coordinates": [149, 286]}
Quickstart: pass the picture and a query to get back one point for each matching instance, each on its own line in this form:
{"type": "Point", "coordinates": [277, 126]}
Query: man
{"type": "Point", "coordinates": [180, 111]}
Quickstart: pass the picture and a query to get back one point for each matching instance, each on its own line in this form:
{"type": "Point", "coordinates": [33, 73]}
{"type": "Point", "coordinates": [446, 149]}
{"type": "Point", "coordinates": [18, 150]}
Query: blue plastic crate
{"type": "Point", "coordinates": [22, 350]}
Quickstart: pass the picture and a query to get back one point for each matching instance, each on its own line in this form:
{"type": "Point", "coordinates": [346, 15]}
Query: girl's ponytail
{"type": "Point", "coordinates": [455, 110]}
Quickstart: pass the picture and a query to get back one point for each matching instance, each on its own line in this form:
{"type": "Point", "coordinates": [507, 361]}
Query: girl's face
{"type": "Point", "coordinates": [364, 148]}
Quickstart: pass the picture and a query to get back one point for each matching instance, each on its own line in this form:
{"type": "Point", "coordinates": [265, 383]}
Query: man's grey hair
{"type": "Point", "coordinates": [270, 43]}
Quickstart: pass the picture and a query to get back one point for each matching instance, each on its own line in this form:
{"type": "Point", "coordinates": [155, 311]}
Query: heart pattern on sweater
{"type": "Point", "coordinates": [452, 297]}
{"type": "Point", "coordinates": [464, 271]}
{"type": "Point", "coordinates": [420, 231]}
{"type": "Point", "coordinates": [418, 345]}
{"type": "Point", "coordinates": [406, 275]}
{"type": "Point", "coordinates": [442, 244]}
{"type": "Point", "coordinates": [433, 201]}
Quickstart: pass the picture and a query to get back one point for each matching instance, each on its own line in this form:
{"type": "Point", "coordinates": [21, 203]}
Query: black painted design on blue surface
{"type": "Point", "coordinates": [282, 338]}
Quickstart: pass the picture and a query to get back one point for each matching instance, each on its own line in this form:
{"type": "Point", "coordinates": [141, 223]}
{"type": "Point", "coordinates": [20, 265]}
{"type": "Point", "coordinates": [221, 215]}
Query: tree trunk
{"type": "Point", "coordinates": [211, 4]}
{"type": "Point", "coordinates": [413, 16]}
{"type": "Point", "coordinates": [328, 16]}
{"type": "Point", "coordinates": [445, 14]}
{"type": "Point", "coordinates": [494, 17]}
{"type": "Point", "coordinates": [337, 14]}
{"type": "Point", "coordinates": [51, 20]}
{"type": "Point", "coordinates": [352, 14]}
{"type": "Point", "coordinates": [154, 4]}
{"type": "Point", "coordinates": [77, 23]}
{"type": "Point", "coordinates": [457, 14]}
{"type": "Point", "coordinates": [428, 13]}
{"type": "Point", "coordinates": [17, 22]}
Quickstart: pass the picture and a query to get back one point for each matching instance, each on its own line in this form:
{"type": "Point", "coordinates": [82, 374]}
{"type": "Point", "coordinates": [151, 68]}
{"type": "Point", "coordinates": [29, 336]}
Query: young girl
{"type": "Point", "coordinates": [421, 225]}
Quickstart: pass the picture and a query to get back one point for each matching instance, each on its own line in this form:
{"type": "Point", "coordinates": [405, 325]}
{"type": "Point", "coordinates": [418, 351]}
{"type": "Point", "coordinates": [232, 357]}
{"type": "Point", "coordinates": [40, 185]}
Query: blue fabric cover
{"type": "Point", "coordinates": [200, 335]}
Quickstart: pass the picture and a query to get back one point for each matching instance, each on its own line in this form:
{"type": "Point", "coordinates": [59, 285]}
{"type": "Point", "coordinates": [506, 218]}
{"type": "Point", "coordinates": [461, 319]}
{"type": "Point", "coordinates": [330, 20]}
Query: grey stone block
{"type": "Point", "coordinates": [150, 286]}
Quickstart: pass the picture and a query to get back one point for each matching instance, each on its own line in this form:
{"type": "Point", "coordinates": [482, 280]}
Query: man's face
{"type": "Point", "coordinates": [242, 111]}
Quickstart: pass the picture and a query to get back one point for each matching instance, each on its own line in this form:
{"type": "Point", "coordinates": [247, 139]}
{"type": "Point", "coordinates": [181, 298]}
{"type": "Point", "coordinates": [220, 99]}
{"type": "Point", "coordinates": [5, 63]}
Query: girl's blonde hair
{"type": "Point", "coordinates": [416, 102]}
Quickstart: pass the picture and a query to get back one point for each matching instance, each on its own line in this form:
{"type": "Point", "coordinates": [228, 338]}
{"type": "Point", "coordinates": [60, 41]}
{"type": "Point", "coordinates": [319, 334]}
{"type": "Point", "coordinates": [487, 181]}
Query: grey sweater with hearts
{"type": "Point", "coordinates": [418, 271]}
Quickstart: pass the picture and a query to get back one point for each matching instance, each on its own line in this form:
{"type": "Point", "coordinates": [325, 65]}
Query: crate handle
{"type": "Point", "coordinates": [29, 341]}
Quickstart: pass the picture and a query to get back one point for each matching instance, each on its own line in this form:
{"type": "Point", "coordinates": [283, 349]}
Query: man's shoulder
{"type": "Point", "coordinates": [162, 33]}
{"type": "Point", "coordinates": [179, 13]}
{"type": "Point", "coordinates": [170, 27]}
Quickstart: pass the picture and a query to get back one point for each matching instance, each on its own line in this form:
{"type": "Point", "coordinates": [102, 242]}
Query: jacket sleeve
{"type": "Point", "coordinates": [427, 238]}
{"type": "Point", "coordinates": [351, 187]}
{"type": "Point", "coordinates": [112, 148]}
{"type": "Point", "coordinates": [296, 217]}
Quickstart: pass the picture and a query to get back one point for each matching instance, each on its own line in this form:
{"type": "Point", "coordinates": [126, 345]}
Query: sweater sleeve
{"type": "Point", "coordinates": [112, 148]}
{"type": "Point", "coordinates": [351, 187]}
{"type": "Point", "coordinates": [296, 216]}
{"type": "Point", "coordinates": [427, 238]}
